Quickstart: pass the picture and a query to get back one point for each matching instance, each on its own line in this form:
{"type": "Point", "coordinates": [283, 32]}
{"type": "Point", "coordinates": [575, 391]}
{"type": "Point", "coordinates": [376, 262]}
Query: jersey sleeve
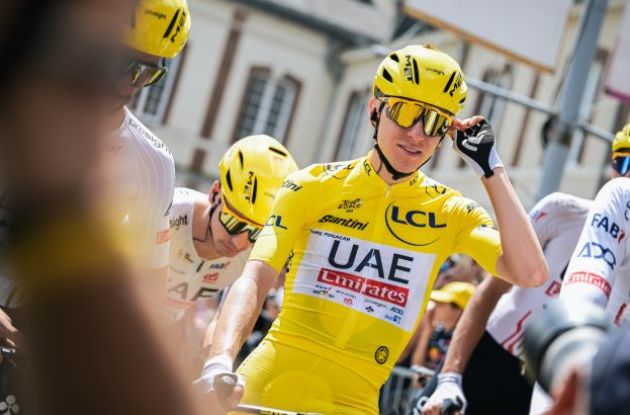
{"type": "Point", "coordinates": [542, 219]}
{"type": "Point", "coordinates": [595, 262]}
{"type": "Point", "coordinates": [288, 216]}
{"type": "Point", "coordinates": [150, 214]}
{"type": "Point", "coordinates": [477, 237]}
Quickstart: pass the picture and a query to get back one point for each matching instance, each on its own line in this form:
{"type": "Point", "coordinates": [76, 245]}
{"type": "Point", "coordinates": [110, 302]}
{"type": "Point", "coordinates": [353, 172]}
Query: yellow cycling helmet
{"type": "Point", "coordinates": [159, 27]}
{"type": "Point", "coordinates": [252, 172]}
{"type": "Point", "coordinates": [621, 143]}
{"type": "Point", "coordinates": [422, 73]}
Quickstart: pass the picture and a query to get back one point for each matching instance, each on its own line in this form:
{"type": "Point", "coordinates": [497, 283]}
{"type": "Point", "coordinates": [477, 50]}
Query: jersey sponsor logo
{"type": "Point", "coordinates": [163, 236]}
{"type": "Point", "coordinates": [383, 281]}
{"type": "Point", "coordinates": [366, 167]}
{"type": "Point", "coordinates": [373, 258]}
{"type": "Point", "coordinates": [220, 265]}
{"type": "Point", "coordinates": [596, 250]}
{"type": "Point", "coordinates": [345, 222]}
{"type": "Point", "coordinates": [176, 223]}
{"type": "Point", "coordinates": [338, 170]}
{"type": "Point", "coordinates": [371, 288]}
{"type": "Point", "coordinates": [291, 185]}
{"type": "Point", "coordinates": [181, 292]}
{"type": "Point", "coordinates": [600, 221]}
{"type": "Point", "coordinates": [397, 220]}
{"type": "Point", "coordinates": [211, 278]}
{"type": "Point", "coordinates": [275, 221]}
{"type": "Point", "coordinates": [350, 205]}
{"type": "Point", "coordinates": [585, 277]}
{"type": "Point", "coordinates": [381, 355]}
{"type": "Point", "coordinates": [626, 213]}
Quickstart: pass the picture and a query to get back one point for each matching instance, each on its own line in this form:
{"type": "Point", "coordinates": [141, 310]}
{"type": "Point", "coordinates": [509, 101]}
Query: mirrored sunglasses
{"type": "Point", "coordinates": [407, 113]}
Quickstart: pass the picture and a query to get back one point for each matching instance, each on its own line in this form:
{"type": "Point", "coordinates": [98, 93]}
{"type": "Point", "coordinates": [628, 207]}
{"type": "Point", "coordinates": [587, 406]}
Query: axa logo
{"type": "Point", "coordinates": [600, 221]}
{"type": "Point", "coordinates": [596, 250]}
{"type": "Point", "coordinates": [399, 220]}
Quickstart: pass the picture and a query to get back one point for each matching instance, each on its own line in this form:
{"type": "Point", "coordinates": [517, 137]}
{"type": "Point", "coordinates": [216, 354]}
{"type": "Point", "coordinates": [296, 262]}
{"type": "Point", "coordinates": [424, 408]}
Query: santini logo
{"type": "Point", "coordinates": [347, 222]}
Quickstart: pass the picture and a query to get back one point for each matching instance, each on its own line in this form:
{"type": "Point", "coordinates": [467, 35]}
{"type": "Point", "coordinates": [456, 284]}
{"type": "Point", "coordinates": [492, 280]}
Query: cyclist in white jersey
{"type": "Point", "coordinates": [139, 165]}
{"type": "Point", "coordinates": [211, 234]}
{"type": "Point", "coordinates": [491, 372]}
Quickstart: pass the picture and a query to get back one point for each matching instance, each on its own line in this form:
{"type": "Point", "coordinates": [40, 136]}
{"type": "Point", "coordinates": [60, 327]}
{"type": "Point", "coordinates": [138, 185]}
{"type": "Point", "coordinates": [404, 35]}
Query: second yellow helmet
{"type": "Point", "coordinates": [252, 172]}
{"type": "Point", "coordinates": [621, 143]}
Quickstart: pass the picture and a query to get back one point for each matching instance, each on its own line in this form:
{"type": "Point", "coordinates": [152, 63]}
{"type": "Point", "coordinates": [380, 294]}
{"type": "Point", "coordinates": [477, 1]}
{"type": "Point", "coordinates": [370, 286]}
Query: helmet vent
{"type": "Point", "coordinates": [416, 73]}
{"type": "Point", "coordinates": [394, 57]}
{"type": "Point", "coordinates": [169, 29]}
{"type": "Point", "coordinates": [278, 151]}
{"type": "Point", "coordinates": [255, 190]}
{"type": "Point", "coordinates": [387, 76]}
{"type": "Point", "coordinates": [240, 158]}
{"type": "Point", "coordinates": [461, 101]}
{"type": "Point", "coordinates": [228, 179]}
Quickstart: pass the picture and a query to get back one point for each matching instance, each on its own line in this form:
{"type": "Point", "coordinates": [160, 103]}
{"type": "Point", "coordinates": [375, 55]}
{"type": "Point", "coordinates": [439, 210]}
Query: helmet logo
{"type": "Point", "coordinates": [249, 187]}
{"type": "Point", "coordinates": [454, 82]}
{"type": "Point", "coordinates": [411, 70]}
{"type": "Point", "coordinates": [172, 24]}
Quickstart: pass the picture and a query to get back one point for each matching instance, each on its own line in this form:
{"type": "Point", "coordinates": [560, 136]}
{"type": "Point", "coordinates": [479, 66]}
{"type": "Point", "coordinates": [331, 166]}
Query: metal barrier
{"type": "Point", "coordinates": [397, 391]}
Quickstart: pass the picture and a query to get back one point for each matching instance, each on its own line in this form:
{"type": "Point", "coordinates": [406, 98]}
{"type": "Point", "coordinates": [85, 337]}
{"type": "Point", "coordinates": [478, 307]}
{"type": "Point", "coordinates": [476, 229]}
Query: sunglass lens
{"type": "Point", "coordinates": [622, 164]}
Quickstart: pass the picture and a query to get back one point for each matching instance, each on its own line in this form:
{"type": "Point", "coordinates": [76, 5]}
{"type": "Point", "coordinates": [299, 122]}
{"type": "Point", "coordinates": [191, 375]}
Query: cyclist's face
{"type": "Point", "coordinates": [123, 88]}
{"type": "Point", "coordinates": [225, 244]}
{"type": "Point", "coordinates": [405, 148]}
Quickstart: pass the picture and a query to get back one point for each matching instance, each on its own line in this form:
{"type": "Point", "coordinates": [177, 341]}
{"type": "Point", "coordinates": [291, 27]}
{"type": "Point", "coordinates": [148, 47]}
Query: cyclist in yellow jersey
{"type": "Point", "coordinates": [365, 240]}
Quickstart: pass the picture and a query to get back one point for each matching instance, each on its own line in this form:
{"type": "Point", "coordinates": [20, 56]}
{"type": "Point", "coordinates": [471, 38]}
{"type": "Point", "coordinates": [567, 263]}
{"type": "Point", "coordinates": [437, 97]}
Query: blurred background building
{"type": "Point", "coordinates": [301, 71]}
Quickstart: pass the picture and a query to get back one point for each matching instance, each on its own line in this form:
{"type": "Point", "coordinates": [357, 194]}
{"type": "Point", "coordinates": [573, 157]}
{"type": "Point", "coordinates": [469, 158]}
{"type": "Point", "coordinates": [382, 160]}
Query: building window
{"type": "Point", "coordinates": [355, 118]}
{"type": "Point", "coordinates": [151, 103]}
{"type": "Point", "coordinates": [268, 105]}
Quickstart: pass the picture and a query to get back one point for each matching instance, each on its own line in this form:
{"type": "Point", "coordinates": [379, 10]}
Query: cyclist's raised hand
{"type": "Point", "coordinates": [222, 387]}
{"type": "Point", "coordinates": [448, 392]}
{"type": "Point", "coordinates": [474, 142]}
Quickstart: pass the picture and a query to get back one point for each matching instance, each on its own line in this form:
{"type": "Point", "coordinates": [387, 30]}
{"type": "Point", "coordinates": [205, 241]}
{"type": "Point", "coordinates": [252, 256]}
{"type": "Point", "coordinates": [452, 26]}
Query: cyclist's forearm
{"type": "Point", "coordinates": [522, 262]}
{"type": "Point", "coordinates": [472, 324]}
{"type": "Point", "coordinates": [241, 308]}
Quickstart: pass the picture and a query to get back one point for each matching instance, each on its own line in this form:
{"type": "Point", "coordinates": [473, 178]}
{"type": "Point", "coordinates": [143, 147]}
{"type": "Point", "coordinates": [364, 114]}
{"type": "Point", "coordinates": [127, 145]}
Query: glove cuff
{"type": "Point", "coordinates": [450, 377]}
{"type": "Point", "coordinates": [220, 363]}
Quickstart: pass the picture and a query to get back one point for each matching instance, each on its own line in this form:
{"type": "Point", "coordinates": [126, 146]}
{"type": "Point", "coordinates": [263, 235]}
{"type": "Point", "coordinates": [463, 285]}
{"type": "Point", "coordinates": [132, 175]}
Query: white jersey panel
{"type": "Point", "coordinates": [557, 220]}
{"type": "Point", "coordinates": [599, 270]}
{"type": "Point", "coordinates": [145, 180]}
{"type": "Point", "coordinates": [190, 276]}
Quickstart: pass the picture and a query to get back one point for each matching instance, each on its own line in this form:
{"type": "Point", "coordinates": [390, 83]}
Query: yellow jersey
{"type": "Point", "coordinates": [363, 257]}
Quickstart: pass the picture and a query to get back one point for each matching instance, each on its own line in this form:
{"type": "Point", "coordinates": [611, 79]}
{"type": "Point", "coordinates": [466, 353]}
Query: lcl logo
{"type": "Point", "coordinates": [395, 217]}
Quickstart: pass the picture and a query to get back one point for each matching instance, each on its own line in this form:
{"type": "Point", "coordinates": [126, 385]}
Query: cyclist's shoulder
{"type": "Point", "coordinates": [183, 197]}
{"type": "Point", "coordinates": [323, 175]}
{"type": "Point", "coordinates": [145, 141]}
{"type": "Point", "coordinates": [615, 190]}
{"type": "Point", "coordinates": [558, 202]}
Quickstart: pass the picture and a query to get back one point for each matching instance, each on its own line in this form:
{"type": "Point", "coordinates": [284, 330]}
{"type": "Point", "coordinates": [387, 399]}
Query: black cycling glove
{"type": "Point", "coordinates": [476, 145]}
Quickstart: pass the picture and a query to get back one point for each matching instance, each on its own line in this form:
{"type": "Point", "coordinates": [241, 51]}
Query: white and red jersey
{"type": "Point", "coordinates": [144, 181]}
{"type": "Point", "coordinates": [557, 220]}
{"type": "Point", "coordinates": [190, 276]}
{"type": "Point", "coordinates": [599, 271]}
